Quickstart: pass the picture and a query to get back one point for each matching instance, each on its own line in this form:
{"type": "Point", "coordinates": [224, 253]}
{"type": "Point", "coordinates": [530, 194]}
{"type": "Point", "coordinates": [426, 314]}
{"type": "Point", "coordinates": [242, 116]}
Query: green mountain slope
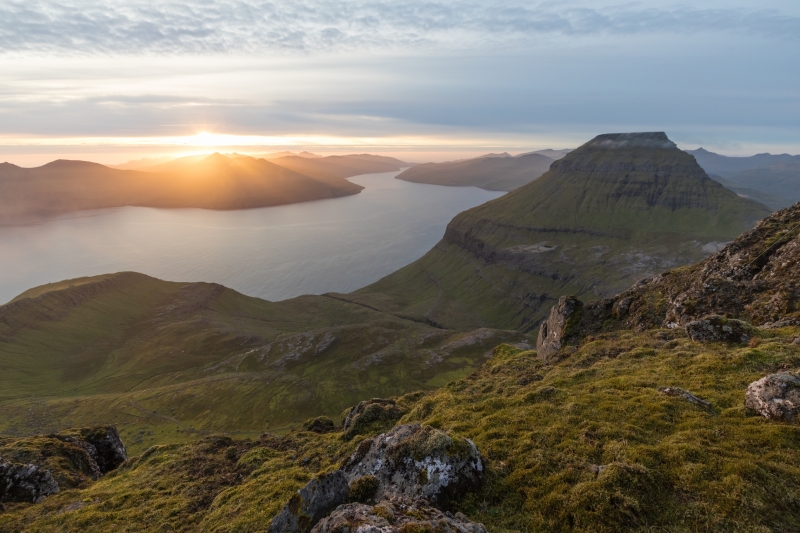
{"type": "Point", "coordinates": [619, 208]}
{"type": "Point", "coordinates": [490, 173]}
{"type": "Point", "coordinates": [587, 444]}
{"type": "Point", "coordinates": [197, 357]}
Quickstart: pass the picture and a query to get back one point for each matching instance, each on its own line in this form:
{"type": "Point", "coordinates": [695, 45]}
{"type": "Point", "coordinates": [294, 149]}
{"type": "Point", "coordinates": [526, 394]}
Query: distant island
{"type": "Point", "coordinates": [214, 181]}
{"type": "Point", "coordinates": [492, 172]}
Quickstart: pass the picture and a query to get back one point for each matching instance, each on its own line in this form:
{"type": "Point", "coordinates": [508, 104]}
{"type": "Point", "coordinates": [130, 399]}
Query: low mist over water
{"type": "Point", "coordinates": [274, 253]}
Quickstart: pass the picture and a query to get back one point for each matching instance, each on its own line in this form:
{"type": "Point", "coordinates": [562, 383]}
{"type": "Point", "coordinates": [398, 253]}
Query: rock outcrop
{"type": "Point", "coordinates": [716, 328]}
{"type": "Point", "coordinates": [417, 461]}
{"type": "Point", "coordinates": [25, 483]}
{"type": "Point", "coordinates": [755, 278]}
{"type": "Point", "coordinates": [395, 515]}
{"type": "Point", "coordinates": [412, 467]}
{"type": "Point", "coordinates": [776, 396]}
{"type": "Point", "coordinates": [554, 331]}
{"type": "Point", "coordinates": [44, 464]}
{"type": "Point", "coordinates": [311, 503]}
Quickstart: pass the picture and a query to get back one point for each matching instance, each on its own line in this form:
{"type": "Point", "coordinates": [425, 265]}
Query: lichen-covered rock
{"type": "Point", "coordinates": [321, 424]}
{"type": "Point", "coordinates": [369, 412]}
{"type": "Point", "coordinates": [554, 331]}
{"type": "Point", "coordinates": [776, 396]}
{"type": "Point", "coordinates": [311, 503]}
{"type": "Point", "coordinates": [417, 462]}
{"type": "Point", "coordinates": [395, 515]}
{"type": "Point", "coordinates": [716, 328]}
{"type": "Point", "coordinates": [25, 483]}
{"type": "Point", "coordinates": [102, 444]}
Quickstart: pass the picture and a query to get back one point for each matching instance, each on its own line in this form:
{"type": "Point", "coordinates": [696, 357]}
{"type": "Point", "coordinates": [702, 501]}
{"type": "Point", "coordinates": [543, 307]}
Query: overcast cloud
{"type": "Point", "coordinates": [500, 75]}
{"type": "Point", "coordinates": [240, 26]}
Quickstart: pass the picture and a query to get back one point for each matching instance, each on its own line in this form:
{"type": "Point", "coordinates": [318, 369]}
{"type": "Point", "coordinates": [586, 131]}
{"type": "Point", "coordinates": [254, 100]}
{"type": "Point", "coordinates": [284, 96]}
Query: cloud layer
{"type": "Point", "coordinates": [310, 26]}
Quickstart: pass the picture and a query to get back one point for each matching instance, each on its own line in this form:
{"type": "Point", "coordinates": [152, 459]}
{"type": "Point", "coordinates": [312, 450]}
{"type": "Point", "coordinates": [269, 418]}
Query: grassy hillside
{"type": "Point", "coordinates": [490, 173]}
{"type": "Point", "coordinates": [585, 444]}
{"type": "Point", "coordinates": [619, 208]}
{"type": "Point", "coordinates": [186, 358]}
{"type": "Point", "coordinates": [212, 182]}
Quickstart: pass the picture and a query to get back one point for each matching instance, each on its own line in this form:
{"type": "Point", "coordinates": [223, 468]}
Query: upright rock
{"type": "Point", "coordinates": [554, 331]}
{"type": "Point", "coordinates": [311, 503]}
{"type": "Point", "coordinates": [776, 396]}
{"type": "Point", "coordinates": [25, 483]}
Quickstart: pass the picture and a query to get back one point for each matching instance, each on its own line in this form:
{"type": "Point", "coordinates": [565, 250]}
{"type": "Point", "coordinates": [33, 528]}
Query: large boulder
{"type": "Point", "coordinates": [25, 483]}
{"type": "Point", "coordinates": [395, 515]}
{"type": "Point", "coordinates": [776, 396]}
{"type": "Point", "coordinates": [717, 328]}
{"type": "Point", "coordinates": [417, 462]}
{"type": "Point", "coordinates": [102, 444]}
{"type": "Point", "coordinates": [554, 332]}
{"type": "Point", "coordinates": [368, 413]}
{"type": "Point", "coordinates": [311, 503]}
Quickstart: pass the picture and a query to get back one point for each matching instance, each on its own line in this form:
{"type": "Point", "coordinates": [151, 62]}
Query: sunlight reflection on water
{"type": "Point", "coordinates": [280, 252]}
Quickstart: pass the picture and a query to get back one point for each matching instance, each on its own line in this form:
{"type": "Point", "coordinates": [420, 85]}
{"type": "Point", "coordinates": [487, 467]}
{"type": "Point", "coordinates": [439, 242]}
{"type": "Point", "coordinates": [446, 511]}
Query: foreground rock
{"type": "Point", "coordinates": [417, 462]}
{"type": "Point", "coordinates": [25, 483]}
{"type": "Point", "coordinates": [554, 331]}
{"type": "Point", "coordinates": [34, 467]}
{"type": "Point", "coordinates": [395, 515]}
{"type": "Point", "coordinates": [776, 396]}
{"type": "Point", "coordinates": [102, 444]}
{"type": "Point", "coordinates": [311, 503]}
{"type": "Point", "coordinates": [716, 328]}
{"type": "Point", "coordinates": [410, 463]}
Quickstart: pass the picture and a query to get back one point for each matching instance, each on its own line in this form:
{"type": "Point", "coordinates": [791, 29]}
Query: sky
{"type": "Point", "coordinates": [424, 80]}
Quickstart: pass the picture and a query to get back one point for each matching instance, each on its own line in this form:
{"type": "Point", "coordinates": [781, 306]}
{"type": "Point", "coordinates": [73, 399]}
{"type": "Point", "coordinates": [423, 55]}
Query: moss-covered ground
{"type": "Point", "coordinates": [587, 443]}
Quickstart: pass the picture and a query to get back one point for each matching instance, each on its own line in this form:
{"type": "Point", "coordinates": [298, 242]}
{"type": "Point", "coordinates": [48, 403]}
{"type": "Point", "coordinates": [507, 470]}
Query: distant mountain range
{"type": "Point", "coordinates": [208, 181]}
{"type": "Point", "coordinates": [771, 179]}
{"type": "Point", "coordinates": [493, 172]}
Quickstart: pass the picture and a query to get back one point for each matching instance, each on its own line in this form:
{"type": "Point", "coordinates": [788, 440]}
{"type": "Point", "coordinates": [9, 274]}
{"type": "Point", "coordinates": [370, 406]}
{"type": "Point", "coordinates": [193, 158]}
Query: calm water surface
{"type": "Point", "coordinates": [274, 253]}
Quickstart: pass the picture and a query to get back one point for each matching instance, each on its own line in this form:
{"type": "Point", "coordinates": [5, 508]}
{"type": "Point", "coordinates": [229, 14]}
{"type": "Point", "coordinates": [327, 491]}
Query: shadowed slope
{"type": "Point", "coordinates": [490, 173]}
{"type": "Point", "coordinates": [617, 209]}
{"type": "Point", "coordinates": [212, 182]}
{"type": "Point", "coordinates": [134, 351]}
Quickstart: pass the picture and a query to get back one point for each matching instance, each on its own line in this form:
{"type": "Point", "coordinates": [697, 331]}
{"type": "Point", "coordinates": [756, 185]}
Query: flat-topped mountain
{"type": "Point", "coordinates": [212, 182]}
{"type": "Point", "coordinates": [492, 172]}
{"type": "Point", "coordinates": [619, 208]}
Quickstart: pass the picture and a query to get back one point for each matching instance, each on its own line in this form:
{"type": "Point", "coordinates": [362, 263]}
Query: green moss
{"type": "Point", "coordinates": [363, 489]}
{"type": "Point", "coordinates": [607, 452]}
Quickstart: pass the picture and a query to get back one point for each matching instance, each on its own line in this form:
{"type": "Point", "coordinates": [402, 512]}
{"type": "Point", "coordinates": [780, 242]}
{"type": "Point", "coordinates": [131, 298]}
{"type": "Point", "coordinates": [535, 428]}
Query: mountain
{"type": "Point", "coordinates": [210, 182]}
{"type": "Point", "coordinates": [141, 164]}
{"type": "Point", "coordinates": [770, 200]}
{"type": "Point", "coordinates": [620, 208]}
{"type": "Point", "coordinates": [491, 172]}
{"type": "Point", "coordinates": [186, 359]}
{"type": "Point", "coordinates": [634, 427]}
{"type": "Point", "coordinates": [725, 165]}
{"type": "Point", "coordinates": [340, 166]}
{"type": "Point", "coordinates": [771, 179]}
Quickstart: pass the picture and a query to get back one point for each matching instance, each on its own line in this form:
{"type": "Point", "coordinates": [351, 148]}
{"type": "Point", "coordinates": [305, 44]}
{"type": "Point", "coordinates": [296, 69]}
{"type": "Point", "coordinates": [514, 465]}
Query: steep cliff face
{"type": "Point", "coordinates": [620, 208]}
